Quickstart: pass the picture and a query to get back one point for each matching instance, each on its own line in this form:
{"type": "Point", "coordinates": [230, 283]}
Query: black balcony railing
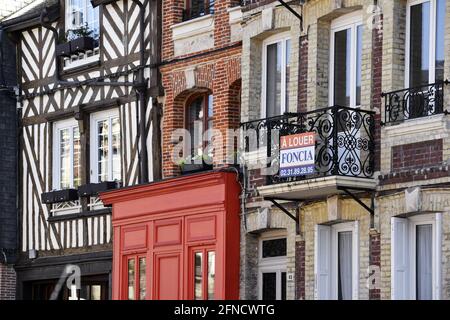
{"type": "Point", "coordinates": [344, 141]}
{"type": "Point", "coordinates": [414, 102]}
{"type": "Point", "coordinates": [198, 8]}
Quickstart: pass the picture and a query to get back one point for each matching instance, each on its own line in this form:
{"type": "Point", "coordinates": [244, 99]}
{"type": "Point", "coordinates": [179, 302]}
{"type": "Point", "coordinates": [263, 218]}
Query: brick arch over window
{"type": "Point", "coordinates": [222, 78]}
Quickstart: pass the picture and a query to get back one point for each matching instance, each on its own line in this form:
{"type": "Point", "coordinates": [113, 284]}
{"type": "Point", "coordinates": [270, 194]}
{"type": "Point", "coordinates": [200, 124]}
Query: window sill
{"type": "Point", "coordinates": [82, 65]}
{"type": "Point", "coordinates": [79, 215]}
{"type": "Point", "coordinates": [193, 27]}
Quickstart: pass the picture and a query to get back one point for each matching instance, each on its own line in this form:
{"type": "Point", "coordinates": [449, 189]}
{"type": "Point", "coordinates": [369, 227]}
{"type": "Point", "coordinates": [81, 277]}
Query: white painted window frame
{"type": "Point", "coordinates": [81, 59]}
{"type": "Point", "coordinates": [281, 37]}
{"type": "Point", "coordinates": [276, 265]}
{"type": "Point", "coordinates": [435, 220]}
{"type": "Point", "coordinates": [94, 119]}
{"type": "Point", "coordinates": [57, 128]}
{"type": "Point", "coordinates": [349, 21]}
{"type": "Point", "coordinates": [432, 37]}
{"type": "Point", "coordinates": [333, 252]}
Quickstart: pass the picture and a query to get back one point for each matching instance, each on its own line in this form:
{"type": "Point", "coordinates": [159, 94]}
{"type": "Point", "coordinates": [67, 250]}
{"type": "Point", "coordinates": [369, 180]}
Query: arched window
{"type": "Point", "coordinates": [199, 119]}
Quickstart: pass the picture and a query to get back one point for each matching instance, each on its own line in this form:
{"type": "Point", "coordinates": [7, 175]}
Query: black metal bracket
{"type": "Point", "coordinates": [296, 218]}
{"type": "Point", "coordinates": [370, 209]}
{"type": "Point", "coordinates": [295, 13]}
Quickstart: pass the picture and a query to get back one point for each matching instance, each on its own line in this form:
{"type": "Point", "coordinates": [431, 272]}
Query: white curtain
{"type": "Point", "coordinates": [345, 266]}
{"type": "Point", "coordinates": [424, 261]}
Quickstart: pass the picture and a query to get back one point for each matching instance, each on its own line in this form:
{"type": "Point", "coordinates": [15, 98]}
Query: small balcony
{"type": "Point", "coordinates": [341, 154]}
{"type": "Point", "coordinates": [251, 4]}
{"type": "Point", "coordinates": [415, 102]}
{"type": "Point", "coordinates": [198, 8]}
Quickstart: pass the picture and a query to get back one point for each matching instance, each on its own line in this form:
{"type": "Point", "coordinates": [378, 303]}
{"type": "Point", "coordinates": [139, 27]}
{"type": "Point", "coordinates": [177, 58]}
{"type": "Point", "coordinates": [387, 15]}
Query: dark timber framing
{"type": "Point", "coordinates": [126, 78]}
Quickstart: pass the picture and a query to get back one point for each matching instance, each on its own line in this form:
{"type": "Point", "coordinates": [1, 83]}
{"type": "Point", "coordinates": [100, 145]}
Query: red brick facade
{"type": "Point", "coordinates": [375, 260]}
{"type": "Point", "coordinates": [303, 75]}
{"type": "Point", "coordinates": [216, 71]}
{"type": "Point", "coordinates": [417, 155]}
{"type": "Point", "coordinates": [377, 66]}
{"type": "Point", "coordinates": [300, 270]}
{"type": "Point", "coordinates": [7, 283]}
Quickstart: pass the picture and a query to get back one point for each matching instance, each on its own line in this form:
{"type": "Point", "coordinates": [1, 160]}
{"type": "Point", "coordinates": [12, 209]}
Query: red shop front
{"type": "Point", "coordinates": [177, 239]}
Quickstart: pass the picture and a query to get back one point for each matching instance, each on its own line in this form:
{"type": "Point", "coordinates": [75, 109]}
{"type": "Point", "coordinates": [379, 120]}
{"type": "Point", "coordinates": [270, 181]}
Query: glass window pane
{"type": "Point", "coordinates": [345, 265]}
{"type": "Point", "coordinates": [269, 286]}
{"type": "Point", "coordinates": [195, 123]}
{"type": "Point", "coordinates": [273, 79]}
{"type": "Point", "coordinates": [142, 279]}
{"type": "Point", "coordinates": [359, 30]}
{"type": "Point", "coordinates": [96, 292]}
{"type": "Point", "coordinates": [440, 32]}
{"type": "Point", "coordinates": [283, 286]}
{"type": "Point", "coordinates": [198, 275]}
{"type": "Point", "coordinates": [65, 161]}
{"type": "Point", "coordinates": [342, 49]}
{"type": "Point", "coordinates": [131, 279]}
{"type": "Point", "coordinates": [274, 248]}
{"type": "Point", "coordinates": [103, 150]}
{"type": "Point", "coordinates": [211, 274]}
{"type": "Point", "coordinates": [76, 157]}
{"type": "Point", "coordinates": [419, 68]}
{"type": "Point", "coordinates": [288, 71]}
{"type": "Point", "coordinates": [424, 274]}
{"type": "Point", "coordinates": [116, 160]}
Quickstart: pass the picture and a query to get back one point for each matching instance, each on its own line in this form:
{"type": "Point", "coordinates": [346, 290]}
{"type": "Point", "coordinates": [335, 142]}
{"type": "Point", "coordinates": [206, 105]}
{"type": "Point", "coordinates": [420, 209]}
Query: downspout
{"type": "Point", "coordinates": [141, 89]}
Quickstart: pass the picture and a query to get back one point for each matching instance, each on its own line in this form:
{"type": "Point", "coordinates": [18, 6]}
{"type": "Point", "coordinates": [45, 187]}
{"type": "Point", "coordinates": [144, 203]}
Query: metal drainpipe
{"type": "Point", "coordinates": [141, 89]}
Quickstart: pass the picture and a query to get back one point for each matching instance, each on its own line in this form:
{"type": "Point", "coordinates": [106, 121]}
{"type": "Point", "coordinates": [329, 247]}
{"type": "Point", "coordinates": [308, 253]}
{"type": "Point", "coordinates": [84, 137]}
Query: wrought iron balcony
{"type": "Point", "coordinates": [344, 142]}
{"type": "Point", "coordinates": [414, 102]}
{"type": "Point", "coordinates": [198, 8]}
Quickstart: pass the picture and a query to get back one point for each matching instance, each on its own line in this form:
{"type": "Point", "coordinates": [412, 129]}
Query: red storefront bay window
{"type": "Point", "coordinates": [177, 239]}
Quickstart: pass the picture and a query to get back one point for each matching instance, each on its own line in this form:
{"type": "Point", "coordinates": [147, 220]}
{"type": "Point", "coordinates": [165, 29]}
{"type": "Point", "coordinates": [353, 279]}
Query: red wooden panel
{"type": "Point", "coordinates": [167, 232]}
{"type": "Point", "coordinates": [203, 228]}
{"type": "Point", "coordinates": [134, 238]}
{"type": "Point", "coordinates": [167, 277]}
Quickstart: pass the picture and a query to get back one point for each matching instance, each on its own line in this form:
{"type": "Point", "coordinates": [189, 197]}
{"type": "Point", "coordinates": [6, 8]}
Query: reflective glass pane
{"type": "Point", "coordinates": [342, 56]}
{"type": "Point", "coordinates": [424, 258]}
{"type": "Point", "coordinates": [131, 280]}
{"type": "Point", "coordinates": [274, 248]}
{"type": "Point", "coordinates": [269, 286]}
{"type": "Point", "coordinates": [419, 58]}
{"type": "Point", "coordinates": [103, 150]}
{"type": "Point", "coordinates": [116, 160]}
{"type": "Point", "coordinates": [142, 279]}
{"type": "Point", "coordinates": [345, 266]}
{"type": "Point", "coordinates": [273, 79]}
{"type": "Point", "coordinates": [359, 30]}
{"type": "Point", "coordinates": [76, 157]}
{"type": "Point", "coordinates": [440, 32]}
{"type": "Point", "coordinates": [96, 292]}
{"type": "Point", "coordinates": [198, 275]}
{"type": "Point", "coordinates": [65, 160]}
{"type": "Point", "coordinates": [195, 123]}
{"type": "Point", "coordinates": [211, 274]}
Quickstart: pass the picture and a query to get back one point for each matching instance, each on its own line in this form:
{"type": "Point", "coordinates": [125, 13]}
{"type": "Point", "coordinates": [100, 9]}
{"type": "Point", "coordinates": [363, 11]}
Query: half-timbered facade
{"type": "Point", "coordinates": [89, 122]}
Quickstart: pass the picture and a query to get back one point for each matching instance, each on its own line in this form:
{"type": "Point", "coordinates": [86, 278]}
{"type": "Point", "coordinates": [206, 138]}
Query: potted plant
{"type": "Point", "coordinates": [82, 39]}
{"type": "Point", "coordinates": [63, 47]}
{"type": "Point", "coordinates": [93, 189]}
{"type": "Point", "coordinates": [194, 164]}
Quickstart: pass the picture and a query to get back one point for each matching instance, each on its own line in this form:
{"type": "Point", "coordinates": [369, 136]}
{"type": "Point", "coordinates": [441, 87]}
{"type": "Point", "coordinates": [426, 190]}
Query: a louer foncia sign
{"type": "Point", "coordinates": [297, 154]}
